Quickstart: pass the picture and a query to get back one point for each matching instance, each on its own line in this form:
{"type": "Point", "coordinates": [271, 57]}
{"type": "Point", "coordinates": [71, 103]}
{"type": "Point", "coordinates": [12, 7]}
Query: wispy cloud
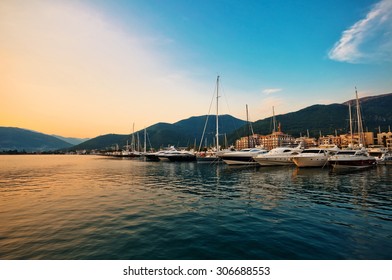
{"type": "Point", "coordinates": [269, 91]}
{"type": "Point", "coordinates": [369, 39]}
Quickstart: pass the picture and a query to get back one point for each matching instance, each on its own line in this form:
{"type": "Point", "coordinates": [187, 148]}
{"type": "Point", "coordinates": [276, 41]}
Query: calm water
{"type": "Point", "coordinates": [90, 207]}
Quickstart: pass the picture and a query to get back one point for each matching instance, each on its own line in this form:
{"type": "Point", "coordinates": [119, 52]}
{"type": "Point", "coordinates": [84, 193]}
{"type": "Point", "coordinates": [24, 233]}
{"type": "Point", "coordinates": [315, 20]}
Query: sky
{"type": "Point", "coordinates": [88, 68]}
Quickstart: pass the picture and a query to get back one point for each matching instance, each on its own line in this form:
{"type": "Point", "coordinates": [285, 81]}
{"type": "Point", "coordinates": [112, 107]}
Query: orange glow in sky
{"type": "Point", "coordinates": [66, 70]}
{"type": "Point", "coordinates": [88, 68]}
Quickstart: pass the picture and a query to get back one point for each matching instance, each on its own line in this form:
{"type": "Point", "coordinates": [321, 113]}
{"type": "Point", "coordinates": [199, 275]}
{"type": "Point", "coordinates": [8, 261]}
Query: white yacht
{"type": "Point", "coordinates": [386, 159]}
{"type": "Point", "coordinates": [278, 156]}
{"type": "Point", "coordinates": [352, 159]}
{"type": "Point", "coordinates": [313, 157]}
{"type": "Point", "coordinates": [378, 152]}
{"type": "Point", "coordinates": [172, 154]}
{"type": "Point", "coordinates": [242, 157]}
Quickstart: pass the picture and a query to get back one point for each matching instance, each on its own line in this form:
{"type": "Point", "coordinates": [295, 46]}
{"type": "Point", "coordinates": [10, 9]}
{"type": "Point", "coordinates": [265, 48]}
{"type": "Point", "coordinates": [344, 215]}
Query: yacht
{"type": "Point", "coordinates": [352, 159]}
{"type": "Point", "coordinates": [209, 156]}
{"type": "Point", "coordinates": [277, 156]}
{"type": "Point", "coordinates": [167, 154]}
{"type": "Point", "coordinates": [242, 157]}
{"type": "Point", "coordinates": [386, 159]}
{"type": "Point", "coordinates": [175, 155]}
{"type": "Point", "coordinates": [313, 157]}
{"type": "Point", "coordinates": [378, 152]}
{"type": "Point", "coordinates": [153, 156]}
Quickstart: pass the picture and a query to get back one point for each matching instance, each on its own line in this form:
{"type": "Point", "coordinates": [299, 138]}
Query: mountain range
{"type": "Point", "coordinates": [183, 133]}
{"type": "Point", "coordinates": [18, 139]}
{"type": "Point", "coordinates": [313, 120]}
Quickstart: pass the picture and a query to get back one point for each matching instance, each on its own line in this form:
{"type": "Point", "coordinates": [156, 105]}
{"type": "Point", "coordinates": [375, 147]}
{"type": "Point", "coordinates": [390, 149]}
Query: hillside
{"type": "Point", "coordinates": [324, 119]}
{"type": "Point", "coordinates": [180, 134]}
{"type": "Point", "coordinates": [12, 138]}
{"type": "Point", "coordinates": [71, 140]}
{"type": "Point", "coordinates": [376, 112]}
{"type": "Point", "coordinates": [107, 141]}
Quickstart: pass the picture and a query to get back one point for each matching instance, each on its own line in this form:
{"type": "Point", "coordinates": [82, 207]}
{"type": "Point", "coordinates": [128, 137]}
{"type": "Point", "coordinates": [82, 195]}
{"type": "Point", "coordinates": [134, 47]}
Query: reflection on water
{"type": "Point", "coordinates": [86, 207]}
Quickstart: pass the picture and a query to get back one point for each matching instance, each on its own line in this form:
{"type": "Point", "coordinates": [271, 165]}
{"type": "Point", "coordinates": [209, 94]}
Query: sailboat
{"type": "Point", "coordinates": [244, 156]}
{"type": "Point", "coordinates": [130, 150]}
{"type": "Point", "coordinates": [279, 155]}
{"type": "Point", "coordinates": [356, 158]}
{"type": "Point", "coordinates": [211, 155]}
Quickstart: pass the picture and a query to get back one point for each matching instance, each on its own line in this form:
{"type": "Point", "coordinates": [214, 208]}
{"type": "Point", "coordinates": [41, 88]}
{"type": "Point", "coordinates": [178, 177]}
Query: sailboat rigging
{"type": "Point", "coordinates": [209, 155]}
{"type": "Point", "coordinates": [356, 158]}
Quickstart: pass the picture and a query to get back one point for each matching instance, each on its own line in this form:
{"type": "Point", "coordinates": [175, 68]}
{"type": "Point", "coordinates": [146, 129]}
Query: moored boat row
{"type": "Point", "coordinates": [345, 159]}
{"type": "Point", "coordinates": [316, 157]}
{"type": "Point", "coordinates": [277, 156]}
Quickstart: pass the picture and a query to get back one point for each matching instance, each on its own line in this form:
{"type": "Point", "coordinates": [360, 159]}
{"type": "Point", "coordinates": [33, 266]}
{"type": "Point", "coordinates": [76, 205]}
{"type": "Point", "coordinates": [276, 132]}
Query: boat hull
{"type": "Point", "coordinates": [152, 157]}
{"type": "Point", "coordinates": [212, 159]}
{"type": "Point", "coordinates": [352, 164]}
{"type": "Point", "coordinates": [233, 160]}
{"type": "Point", "coordinates": [310, 161]}
{"type": "Point", "coordinates": [273, 161]}
{"type": "Point", "coordinates": [181, 158]}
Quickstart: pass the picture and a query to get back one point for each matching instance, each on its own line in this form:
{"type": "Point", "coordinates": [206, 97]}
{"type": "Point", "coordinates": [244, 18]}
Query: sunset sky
{"type": "Point", "coordinates": [87, 68]}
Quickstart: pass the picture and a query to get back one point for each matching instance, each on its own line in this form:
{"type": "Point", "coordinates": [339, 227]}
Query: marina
{"type": "Point", "coordinates": [200, 139]}
{"type": "Point", "coordinates": [99, 207]}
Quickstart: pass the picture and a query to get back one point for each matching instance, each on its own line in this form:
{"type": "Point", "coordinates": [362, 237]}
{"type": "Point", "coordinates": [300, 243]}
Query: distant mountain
{"type": "Point", "coordinates": [183, 133]}
{"type": "Point", "coordinates": [376, 113]}
{"type": "Point", "coordinates": [12, 138]}
{"type": "Point", "coordinates": [324, 119]}
{"type": "Point", "coordinates": [103, 142]}
{"type": "Point", "coordinates": [71, 140]}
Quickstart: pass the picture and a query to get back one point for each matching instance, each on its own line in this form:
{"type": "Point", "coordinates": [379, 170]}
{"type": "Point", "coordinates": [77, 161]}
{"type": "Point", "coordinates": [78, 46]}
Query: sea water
{"type": "Point", "coordinates": [94, 207]}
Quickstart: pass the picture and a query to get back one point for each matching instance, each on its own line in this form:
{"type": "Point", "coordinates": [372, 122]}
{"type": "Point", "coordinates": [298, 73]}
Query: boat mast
{"type": "Point", "coordinates": [133, 144]}
{"type": "Point", "coordinates": [360, 128]}
{"type": "Point", "coordinates": [217, 114]}
{"type": "Point", "coordinates": [351, 124]}
{"type": "Point", "coordinates": [145, 140]}
{"type": "Point", "coordinates": [273, 120]}
{"type": "Point", "coordinates": [247, 120]}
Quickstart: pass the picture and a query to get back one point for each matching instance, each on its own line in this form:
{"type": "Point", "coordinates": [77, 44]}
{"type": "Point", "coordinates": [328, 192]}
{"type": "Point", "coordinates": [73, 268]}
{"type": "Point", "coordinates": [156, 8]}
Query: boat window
{"type": "Point", "coordinates": [311, 151]}
{"type": "Point", "coordinates": [346, 153]}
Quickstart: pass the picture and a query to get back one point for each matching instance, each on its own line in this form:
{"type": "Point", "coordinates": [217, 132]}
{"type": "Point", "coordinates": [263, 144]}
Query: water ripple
{"type": "Point", "coordinates": [82, 207]}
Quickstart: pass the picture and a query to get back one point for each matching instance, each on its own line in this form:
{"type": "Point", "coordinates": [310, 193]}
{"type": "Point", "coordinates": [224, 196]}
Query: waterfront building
{"type": "Point", "coordinates": [385, 139]}
{"type": "Point", "coordinates": [347, 140]}
{"type": "Point", "coordinates": [330, 140]}
{"type": "Point", "coordinates": [247, 142]}
{"type": "Point", "coordinates": [269, 142]}
{"type": "Point", "coordinates": [306, 142]}
{"type": "Point", "coordinates": [276, 139]}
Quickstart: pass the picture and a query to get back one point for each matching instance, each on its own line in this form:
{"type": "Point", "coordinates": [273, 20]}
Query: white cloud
{"type": "Point", "coordinates": [269, 91]}
{"type": "Point", "coordinates": [369, 39]}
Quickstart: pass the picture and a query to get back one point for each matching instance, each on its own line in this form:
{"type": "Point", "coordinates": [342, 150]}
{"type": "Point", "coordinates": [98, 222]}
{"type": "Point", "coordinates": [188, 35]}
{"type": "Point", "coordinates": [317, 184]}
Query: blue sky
{"type": "Point", "coordinates": [146, 61]}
